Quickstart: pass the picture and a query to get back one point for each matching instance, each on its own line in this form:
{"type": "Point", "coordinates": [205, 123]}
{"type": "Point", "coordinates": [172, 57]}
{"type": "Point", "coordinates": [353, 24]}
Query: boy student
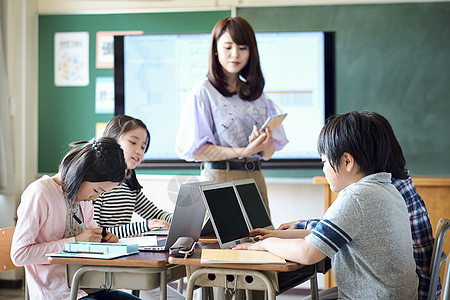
{"type": "Point", "coordinates": [369, 261]}
{"type": "Point", "coordinates": [422, 233]}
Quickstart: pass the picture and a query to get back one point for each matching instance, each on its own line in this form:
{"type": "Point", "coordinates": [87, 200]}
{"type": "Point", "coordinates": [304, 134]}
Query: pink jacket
{"type": "Point", "coordinates": [39, 230]}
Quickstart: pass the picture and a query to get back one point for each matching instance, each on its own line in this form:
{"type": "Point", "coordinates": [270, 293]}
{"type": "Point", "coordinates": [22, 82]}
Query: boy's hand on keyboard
{"type": "Point", "coordinates": [287, 226]}
{"type": "Point", "coordinates": [260, 233]}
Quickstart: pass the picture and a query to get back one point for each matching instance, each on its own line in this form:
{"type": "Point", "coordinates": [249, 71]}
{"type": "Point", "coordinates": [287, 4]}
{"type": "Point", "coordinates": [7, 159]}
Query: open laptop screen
{"type": "Point", "coordinates": [253, 204]}
{"type": "Point", "coordinates": [226, 214]}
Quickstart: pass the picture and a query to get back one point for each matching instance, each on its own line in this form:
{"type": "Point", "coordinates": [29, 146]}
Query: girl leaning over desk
{"type": "Point", "coordinates": [46, 222]}
{"type": "Point", "coordinates": [221, 116]}
{"type": "Point", "coordinates": [114, 209]}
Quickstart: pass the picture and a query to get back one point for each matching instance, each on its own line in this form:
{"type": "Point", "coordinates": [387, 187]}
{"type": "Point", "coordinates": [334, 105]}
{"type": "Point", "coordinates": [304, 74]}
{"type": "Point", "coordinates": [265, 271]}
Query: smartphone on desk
{"type": "Point", "coordinates": [273, 122]}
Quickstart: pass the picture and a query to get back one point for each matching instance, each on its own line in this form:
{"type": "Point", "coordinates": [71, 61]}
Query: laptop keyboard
{"type": "Point", "coordinates": [162, 242]}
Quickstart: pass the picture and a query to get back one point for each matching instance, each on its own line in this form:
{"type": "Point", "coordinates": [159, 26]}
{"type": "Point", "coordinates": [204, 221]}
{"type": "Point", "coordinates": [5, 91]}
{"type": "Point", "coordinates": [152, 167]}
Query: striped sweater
{"type": "Point", "coordinates": [114, 209]}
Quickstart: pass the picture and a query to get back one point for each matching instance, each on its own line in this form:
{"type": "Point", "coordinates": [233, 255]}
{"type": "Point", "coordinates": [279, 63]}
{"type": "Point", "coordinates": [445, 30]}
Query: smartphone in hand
{"type": "Point", "coordinates": [273, 122]}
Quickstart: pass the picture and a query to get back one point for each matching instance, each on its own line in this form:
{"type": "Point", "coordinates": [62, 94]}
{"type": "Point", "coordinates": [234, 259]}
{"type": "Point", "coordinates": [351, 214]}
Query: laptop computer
{"type": "Point", "coordinates": [187, 217]}
{"type": "Point", "coordinates": [253, 204]}
{"type": "Point", "coordinates": [226, 213]}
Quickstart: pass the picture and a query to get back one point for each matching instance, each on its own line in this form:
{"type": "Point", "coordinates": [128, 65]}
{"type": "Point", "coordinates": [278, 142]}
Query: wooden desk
{"type": "Point", "coordinates": [142, 271]}
{"type": "Point", "coordinates": [435, 192]}
{"type": "Point", "coordinates": [235, 276]}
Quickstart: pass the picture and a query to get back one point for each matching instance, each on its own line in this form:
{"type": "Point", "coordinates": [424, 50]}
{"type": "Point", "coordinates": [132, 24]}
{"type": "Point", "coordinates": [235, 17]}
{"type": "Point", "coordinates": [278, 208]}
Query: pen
{"type": "Point", "coordinates": [79, 221]}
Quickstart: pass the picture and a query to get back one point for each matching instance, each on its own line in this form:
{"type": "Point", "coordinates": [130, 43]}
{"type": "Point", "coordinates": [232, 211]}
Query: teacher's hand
{"type": "Point", "coordinates": [260, 142]}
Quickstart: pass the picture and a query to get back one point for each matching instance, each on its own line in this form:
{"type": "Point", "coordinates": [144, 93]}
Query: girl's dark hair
{"type": "Point", "coordinates": [118, 126]}
{"type": "Point", "coordinates": [242, 34]}
{"type": "Point", "coordinates": [96, 160]}
{"type": "Point", "coordinates": [360, 135]}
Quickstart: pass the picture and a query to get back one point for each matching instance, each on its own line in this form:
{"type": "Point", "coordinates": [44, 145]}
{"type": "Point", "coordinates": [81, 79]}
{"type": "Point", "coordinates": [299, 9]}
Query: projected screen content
{"type": "Point", "coordinates": [154, 74]}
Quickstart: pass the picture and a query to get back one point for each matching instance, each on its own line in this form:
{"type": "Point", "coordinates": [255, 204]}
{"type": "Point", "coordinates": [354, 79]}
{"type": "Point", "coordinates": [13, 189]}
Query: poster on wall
{"type": "Point", "coordinates": [71, 58]}
{"type": "Point", "coordinates": [99, 128]}
{"type": "Point", "coordinates": [105, 47]}
{"type": "Point", "coordinates": [104, 95]}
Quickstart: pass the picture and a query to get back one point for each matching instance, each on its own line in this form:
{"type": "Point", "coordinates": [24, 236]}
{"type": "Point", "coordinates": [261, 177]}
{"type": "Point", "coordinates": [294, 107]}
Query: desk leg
{"type": "Point", "coordinates": [75, 282]}
{"type": "Point", "coordinates": [314, 287]}
{"type": "Point", "coordinates": [80, 272]}
{"type": "Point", "coordinates": [180, 285]}
{"type": "Point", "coordinates": [207, 293]}
{"type": "Point", "coordinates": [190, 288]}
{"type": "Point", "coordinates": [163, 285]}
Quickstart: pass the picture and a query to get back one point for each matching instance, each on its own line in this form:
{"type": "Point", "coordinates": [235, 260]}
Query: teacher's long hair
{"type": "Point", "coordinates": [242, 34]}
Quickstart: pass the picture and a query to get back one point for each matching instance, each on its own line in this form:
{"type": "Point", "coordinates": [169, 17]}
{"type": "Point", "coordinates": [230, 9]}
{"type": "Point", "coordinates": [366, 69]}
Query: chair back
{"type": "Point", "coordinates": [439, 256]}
{"type": "Point", "coordinates": [6, 235]}
{"type": "Point", "coordinates": [446, 282]}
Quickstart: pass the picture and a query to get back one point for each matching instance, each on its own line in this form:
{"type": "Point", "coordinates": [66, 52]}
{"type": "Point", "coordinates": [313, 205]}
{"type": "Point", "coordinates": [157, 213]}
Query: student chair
{"type": "Point", "coordinates": [438, 258]}
{"type": "Point", "coordinates": [446, 282]}
{"type": "Point", "coordinates": [6, 235]}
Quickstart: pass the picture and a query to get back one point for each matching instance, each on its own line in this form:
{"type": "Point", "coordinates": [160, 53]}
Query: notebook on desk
{"type": "Point", "coordinates": [226, 213]}
{"type": "Point", "coordinates": [187, 217]}
{"type": "Point", "coordinates": [253, 204]}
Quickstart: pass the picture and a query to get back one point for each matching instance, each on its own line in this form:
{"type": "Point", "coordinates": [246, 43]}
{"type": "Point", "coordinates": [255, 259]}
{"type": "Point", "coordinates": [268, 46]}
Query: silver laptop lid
{"type": "Point", "coordinates": [226, 214]}
{"type": "Point", "coordinates": [188, 215]}
{"type": "Point", "coordinates": [252, 201]}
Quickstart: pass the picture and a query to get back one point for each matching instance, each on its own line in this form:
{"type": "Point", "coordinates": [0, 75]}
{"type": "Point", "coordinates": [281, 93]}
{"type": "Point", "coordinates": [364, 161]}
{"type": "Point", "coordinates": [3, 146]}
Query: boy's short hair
{"type": "Point", "coordinates": [358, 134]}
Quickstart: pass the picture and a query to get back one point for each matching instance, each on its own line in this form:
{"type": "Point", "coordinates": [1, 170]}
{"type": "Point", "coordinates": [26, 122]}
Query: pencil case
{"type": "Point", "coordinates": [183, 247]}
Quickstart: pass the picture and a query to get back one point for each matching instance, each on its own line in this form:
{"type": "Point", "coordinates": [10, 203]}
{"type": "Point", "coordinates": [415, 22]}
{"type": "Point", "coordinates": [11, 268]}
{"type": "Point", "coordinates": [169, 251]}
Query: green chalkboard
{"type": "Point", "coordinates": [390, 58]}
{"type": "Point", "coordinates": [67, 114]}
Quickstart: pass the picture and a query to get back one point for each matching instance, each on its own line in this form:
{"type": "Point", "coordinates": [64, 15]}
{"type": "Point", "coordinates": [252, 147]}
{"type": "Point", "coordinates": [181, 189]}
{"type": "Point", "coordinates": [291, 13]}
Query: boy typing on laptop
{"type": "Point", "coordinates": [368, 260]}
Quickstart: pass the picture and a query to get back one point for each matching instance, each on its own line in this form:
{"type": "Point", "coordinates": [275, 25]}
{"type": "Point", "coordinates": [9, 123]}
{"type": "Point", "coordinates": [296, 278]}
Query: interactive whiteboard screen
{"type": "Point", "coordinates": [154, 74]}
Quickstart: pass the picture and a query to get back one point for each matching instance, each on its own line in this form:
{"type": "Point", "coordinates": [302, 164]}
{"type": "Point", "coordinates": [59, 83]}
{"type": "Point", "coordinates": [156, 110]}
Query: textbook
{"type": "Point", "coordinates": [87, 255]}
{"type": "Point", "coordinates": [141, 241]}
{"type": "Point", "coordinates": [110, 248]}
{"type": "Point", "coordinates": [240, 257]}
{"type": "Point", "coordinates": [96, 250]}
